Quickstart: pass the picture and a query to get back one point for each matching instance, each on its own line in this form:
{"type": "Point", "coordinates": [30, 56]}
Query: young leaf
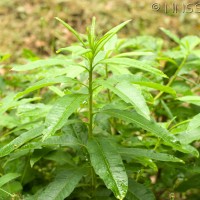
{"type": "Point", "coordinates": [140, 153]}
{"type": "Point", "coordinates": [108, 165]}
{"type": "Point", "coordinates": [43, 63]}
{"type": "Point", "coordinates": [7, 178]}
{"type": "Point", "coordinates": [99, 45]}
{"type": "Point", "coordinates": [137, 191]}
{"type": "Point", "coordinates": [60, 112]}
{"type": "Point", "coordinates": [128, 62]}
{"type": "Point", "coordinates": [71, 30]}
{"type": "Point", "coordinates": [91, 33]}
{"type": "Point", "coordinates": [130, 94]}
{"type": "Point", "coordinates": [171, 35]}
{"type": "Point", "coordinates": [20, 140]}
{"type": "Point", "coordinates": [63, 185]}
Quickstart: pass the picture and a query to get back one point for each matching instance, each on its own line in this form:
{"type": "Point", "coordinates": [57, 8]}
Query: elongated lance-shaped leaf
{"type": "Point", "coordinates": [130, 94]}
{"type": "Point", "coordinates": [190, 42]}
{"type": "Point", "coordinates": [141, 80]}
{"type": "Point", "coordinates": [60, 112]}
{"type": "Point", "coordinates": [43, 63]}
{"type": "Point", "coordinates": [191, 99]}
{"type": "Point", "coordinates": [63, 140]}
{"type": "Point", "coordinates": [189, 136]}
{"type": "Point", "coordinates": [140, 153]}
{"type": "Point", "coordinates": [152, 127]}
{"type": "Point", "coordinates": [108, 165]}
{"type": "Point", "coordinates": [156, 86]}
{"type": "Point", "coordinates": [137, 191]}
{"type": "Point", "coordinates": [171, 35]}
{"type": "Point", "coordinates": [57, 91]}
{"type": "Point", "coordinates": [44, 83]}
{"type": "Point", "coordinates": [76, 50]}
{"type": "Point", "coordinates": [11, 101]}
{"type": "Point", "coordinates": [135, 53]}
{"type": "Point", "coordinates": [20, 140]}
{"type": "Point", "coordinates": [128, 62]}
{"type": "Point", "coordinates": [91, 33]}
{"type": "Point", "coordinates": [63, 185]}
{"type": "Point", "coordinates": [194, 123]}
{"type": "Point", "coordinates": [99, 45]}
{"type": "Point", "coordinates": [71, 30]}
{"type": "Point", "coordinates": [8, 177]}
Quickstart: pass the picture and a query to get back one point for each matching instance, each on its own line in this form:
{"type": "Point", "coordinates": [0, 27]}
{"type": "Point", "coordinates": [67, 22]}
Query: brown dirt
{"type": "Point", "coordinates": [30, 24]}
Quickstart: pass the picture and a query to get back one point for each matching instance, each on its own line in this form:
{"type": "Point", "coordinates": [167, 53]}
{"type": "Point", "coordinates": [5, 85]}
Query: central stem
{"type": "Point", "coordinates": [90, 90]}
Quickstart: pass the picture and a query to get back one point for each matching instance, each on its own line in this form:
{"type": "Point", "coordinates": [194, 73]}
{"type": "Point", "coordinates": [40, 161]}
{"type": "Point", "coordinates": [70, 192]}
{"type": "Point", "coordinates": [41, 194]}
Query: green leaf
{"type": "Point", "coordinates": [8, 177]}
{"type": "Point", "coordinates": [100, 44]}
{"type": "Point", "coordinates": [128, 62]}
{"type": "Point", "coordinates": [171, 35]}
{"type": "Point", "coordinates": [140, 80]}
{"type": "Point", "coordinates": [108, 165]}
{"type": "Point", "coordinates": [135, 53]}
{"type": "Point", "coordinates": [63, 140]}
{"type": "Point", "coordinates": [71, 30]}
{"type": "Point", "coordinates": [130, 94]}
{"type": "Point", "coordinates": [191, 99]}
{"type": "Point", "coordinates": [152, 127]}
{"type": "Point", "coordinates": [43, 63]}
{"type": "Point", "coordinates": [4, 57]}
{"type": "Point", "coordinates": [60, 112]}
{"type": "Point", "coordinates": [57, 91]}
{"type": "Point", "coordinates": [7, 102]}
{"type": "Point", "coordinates": [147, 153]}
{"type": "Point", "coordinates": [20, 140]}
{"type": "Point", "coordinates": [77, 50]}
{"type": "Point", "coordinates": [44, 83]}
{"type": "Point", "coordinates": [137, 191]}
{"type": "Point", "coordinates": [63, 185]}
{"type": "Point", "coordinates": [157, 86]}
{"type": "Point", "coordinates": [38, 154]}
{"type": "Point", "coordinates": [91, 33]}
{"type": "Point", "coordinates": [191, 65]}
{"type": "Point", "coordinates": [194, 123]}
{"type": "Point", "coordinates": [149, 125]}
{"type": "Point", "coordinates": [190, 183]}
{"type": "Point", "coordinates": [11, 101]}
{"type": "Point", "coordinates": [111, 44]}
{"type": "Point", "coordinates": [189, 136]}
{"type": "Point", "coordinates": [190, 42]}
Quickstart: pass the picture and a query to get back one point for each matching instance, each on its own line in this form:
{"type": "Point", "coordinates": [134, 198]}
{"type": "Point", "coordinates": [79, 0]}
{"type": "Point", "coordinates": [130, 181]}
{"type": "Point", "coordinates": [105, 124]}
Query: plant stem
{"type": "Point", "coordinates": [90, 90]}
{"type": "Point", "coordinates": [108, 91]}
{"type": "Point", "coordinates": [171, 80]}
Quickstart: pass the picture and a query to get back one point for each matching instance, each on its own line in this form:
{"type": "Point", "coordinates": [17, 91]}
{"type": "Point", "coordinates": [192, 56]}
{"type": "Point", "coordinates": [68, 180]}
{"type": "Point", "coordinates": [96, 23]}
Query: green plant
{"type": "Point", "coordinates": [101, 128]}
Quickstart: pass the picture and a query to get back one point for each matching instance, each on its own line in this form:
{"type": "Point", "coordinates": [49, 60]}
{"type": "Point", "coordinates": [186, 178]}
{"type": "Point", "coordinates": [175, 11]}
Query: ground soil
{"type": "Point", "coordinates": [30, 24]}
